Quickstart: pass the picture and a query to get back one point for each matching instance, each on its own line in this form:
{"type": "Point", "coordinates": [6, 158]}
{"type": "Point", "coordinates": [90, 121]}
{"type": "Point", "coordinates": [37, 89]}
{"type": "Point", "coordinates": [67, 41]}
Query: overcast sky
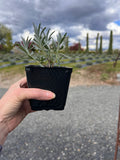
{"type": "Point", "coordinates": [76, 17]}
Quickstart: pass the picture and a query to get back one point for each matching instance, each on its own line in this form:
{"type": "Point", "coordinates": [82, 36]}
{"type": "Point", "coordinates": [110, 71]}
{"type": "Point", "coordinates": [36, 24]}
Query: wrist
{"type": "Point", "coordinates": [3, 132]}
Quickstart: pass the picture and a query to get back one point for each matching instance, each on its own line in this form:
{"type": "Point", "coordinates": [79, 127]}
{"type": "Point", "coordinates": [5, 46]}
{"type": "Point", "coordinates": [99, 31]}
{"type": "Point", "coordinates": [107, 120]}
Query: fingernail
{"type": "Point", "coordinates": [51, 95]}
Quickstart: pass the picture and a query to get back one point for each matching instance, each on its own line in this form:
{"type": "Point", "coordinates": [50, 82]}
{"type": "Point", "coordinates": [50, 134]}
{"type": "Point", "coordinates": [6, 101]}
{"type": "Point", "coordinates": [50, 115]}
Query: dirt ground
{"type": "Point", "coordinates": [81, 77]}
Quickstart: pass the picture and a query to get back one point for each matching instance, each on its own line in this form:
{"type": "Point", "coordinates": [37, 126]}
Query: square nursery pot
{"type": "Point", "coordinates": [55, 79]}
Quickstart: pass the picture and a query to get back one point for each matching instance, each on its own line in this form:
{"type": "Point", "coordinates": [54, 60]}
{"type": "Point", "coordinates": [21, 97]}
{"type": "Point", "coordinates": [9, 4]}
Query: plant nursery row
{"type": "Point", "coordinates": [81, 60]}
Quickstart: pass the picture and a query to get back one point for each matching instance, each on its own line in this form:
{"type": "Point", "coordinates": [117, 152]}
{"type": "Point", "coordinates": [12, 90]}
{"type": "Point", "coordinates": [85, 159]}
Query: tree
{"type": "Point", "coordinates": [100, 49]}
{"type": "Point", "coordinates": [8, 44]}
{"type": "Point", "coordinates": [66, 44]}
{"type": "Point", "coordinates": [2, 34]}
{"type": "Point", "coordinates": [110, 48]}
{"type": "Point", "coordinates": [5, 38]}
{"type": "Point", "coordinates": [97, 43]}
{"type": "Point", "coordinates": [87, 43]}
{"type": "Point", "coordinates": [79, 46]}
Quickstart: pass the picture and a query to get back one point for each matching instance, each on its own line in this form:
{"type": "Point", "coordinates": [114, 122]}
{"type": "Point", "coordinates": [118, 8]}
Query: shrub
{"type": "Point", "coordinates": [12, 63]}
{"type": "Point", "coordinates": [104, 76]}
{"type": "Point", "coordinates": [78, 66]}
{"type": "Point", "coordinates": [72, 60]}
{"type": "Point", "coordinates": [106, 60]}
{"type": "Point", "coordinates": [82, 59]}
{"type": "Point", "coordinates": [98, 61]}
{"type": "Point", "coordinates": [90, 58]}
{"type": "Point", "coordinates": [17, 59]}
{"type": "Point", "coordinates": [25, 61]}
{"type": "Point", "coordinates": [5, 60]}
{"type": "Point", "coordinates": [89, 63]}
{"type": "Point", "coordinates": [97, 57]}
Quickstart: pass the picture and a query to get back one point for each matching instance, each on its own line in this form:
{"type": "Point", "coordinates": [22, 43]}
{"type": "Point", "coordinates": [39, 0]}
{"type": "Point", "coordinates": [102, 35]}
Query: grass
{"type": "Point", "coordinates": [20, 69]}
{"type": "Point", "coordinates": [3, 63]}
{"type": "Point", "coordinates": [104, 77]}
{"type": "Point", "coordinates": [13, 69]}
{"type": "Point", "coordinates": [104, 68]}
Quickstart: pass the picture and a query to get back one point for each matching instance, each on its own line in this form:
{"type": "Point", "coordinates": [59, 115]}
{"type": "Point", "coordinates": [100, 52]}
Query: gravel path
{"type": "Point", "coordinates": [85, 130]}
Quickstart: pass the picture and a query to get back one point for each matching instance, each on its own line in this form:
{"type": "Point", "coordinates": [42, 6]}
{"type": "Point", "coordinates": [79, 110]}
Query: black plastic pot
{"type": "Point", "coordinates": [55, 79]}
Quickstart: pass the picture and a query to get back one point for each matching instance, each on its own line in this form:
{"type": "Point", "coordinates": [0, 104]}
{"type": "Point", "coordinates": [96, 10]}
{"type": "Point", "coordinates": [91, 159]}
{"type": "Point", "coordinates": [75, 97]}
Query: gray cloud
{"type": "Point", "coordinates": [95, 14]}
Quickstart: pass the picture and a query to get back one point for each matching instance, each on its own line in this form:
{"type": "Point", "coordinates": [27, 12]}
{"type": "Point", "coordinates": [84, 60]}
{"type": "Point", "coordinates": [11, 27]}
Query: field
{"type": "Point", "coordinates": [88, 69]}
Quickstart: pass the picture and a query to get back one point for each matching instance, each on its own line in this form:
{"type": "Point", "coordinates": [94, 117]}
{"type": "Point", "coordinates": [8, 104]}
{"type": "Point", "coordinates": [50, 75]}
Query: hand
{"type": "Point", "coordinates": [14, 105]}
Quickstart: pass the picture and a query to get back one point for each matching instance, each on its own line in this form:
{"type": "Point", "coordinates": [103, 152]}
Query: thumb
{"type": "Point", "coordinates": [34, 93]}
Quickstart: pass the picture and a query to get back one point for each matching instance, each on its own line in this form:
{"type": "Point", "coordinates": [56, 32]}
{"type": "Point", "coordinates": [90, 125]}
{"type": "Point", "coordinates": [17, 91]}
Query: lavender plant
{"type": "Point", "coordinates": [44, 49]}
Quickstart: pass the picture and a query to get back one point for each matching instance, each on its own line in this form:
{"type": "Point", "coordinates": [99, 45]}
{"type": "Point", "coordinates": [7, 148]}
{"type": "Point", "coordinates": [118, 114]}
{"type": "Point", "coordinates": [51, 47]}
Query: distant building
{"type": "Point", "coordinates": [76, 47]}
